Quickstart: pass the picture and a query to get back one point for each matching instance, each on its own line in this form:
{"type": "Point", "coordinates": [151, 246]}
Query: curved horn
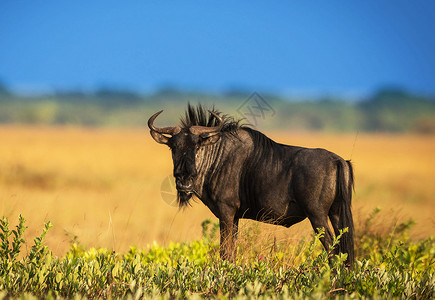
{"type": "Point", "coordinates": [164, 130]}
{"type": "Point", "coordinates": [198, 130]}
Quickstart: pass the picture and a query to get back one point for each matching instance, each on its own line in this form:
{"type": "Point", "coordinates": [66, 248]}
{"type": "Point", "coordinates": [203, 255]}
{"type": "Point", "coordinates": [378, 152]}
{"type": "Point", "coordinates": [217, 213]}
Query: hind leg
{"type": "Point", "coordinates": [317, 211]}
{"type": "Point", "coordinates": [321, 222]}
{"type": "Point", "coordinates": [334, 217]}
{"type": "Point", "coordinates": [314, 190]}
{"type": "Point", "coordinates": [346, 240]}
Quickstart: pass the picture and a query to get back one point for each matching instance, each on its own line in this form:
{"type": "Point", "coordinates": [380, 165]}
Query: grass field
{"type": "Point", "coordinates": [101, 187]}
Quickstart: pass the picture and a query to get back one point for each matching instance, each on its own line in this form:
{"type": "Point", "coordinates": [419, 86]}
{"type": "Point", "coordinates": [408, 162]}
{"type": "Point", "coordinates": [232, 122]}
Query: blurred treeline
{"type": "Point", "coordinates": [389, 109]}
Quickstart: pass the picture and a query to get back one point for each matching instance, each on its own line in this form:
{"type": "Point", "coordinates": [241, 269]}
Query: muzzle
{"type": "Point", "coordinates": [184, 185]}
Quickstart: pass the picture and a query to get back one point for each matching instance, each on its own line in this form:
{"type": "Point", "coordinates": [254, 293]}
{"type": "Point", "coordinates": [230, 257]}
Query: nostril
{"type": "Point", "coordinates": [181, 184]}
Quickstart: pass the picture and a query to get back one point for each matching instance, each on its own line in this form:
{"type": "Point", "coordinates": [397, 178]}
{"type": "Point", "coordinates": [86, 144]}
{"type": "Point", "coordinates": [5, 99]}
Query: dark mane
{"type": "Point", "coordinates": [200, 116]}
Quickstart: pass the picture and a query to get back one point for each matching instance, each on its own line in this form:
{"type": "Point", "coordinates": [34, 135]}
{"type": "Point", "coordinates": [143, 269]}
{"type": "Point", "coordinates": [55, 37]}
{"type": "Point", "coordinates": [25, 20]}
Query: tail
{"type": "Point", "coordinates": [344, 197]}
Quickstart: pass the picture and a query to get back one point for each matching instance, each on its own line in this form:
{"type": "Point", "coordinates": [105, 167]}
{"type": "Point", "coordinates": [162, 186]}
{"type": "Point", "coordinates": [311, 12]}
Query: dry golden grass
{"type": "Point", "coordinates": [101, 187]}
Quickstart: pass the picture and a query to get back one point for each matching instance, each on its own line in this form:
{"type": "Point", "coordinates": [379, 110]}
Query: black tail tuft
{"type": "Point", "coordinates": [345, 186]}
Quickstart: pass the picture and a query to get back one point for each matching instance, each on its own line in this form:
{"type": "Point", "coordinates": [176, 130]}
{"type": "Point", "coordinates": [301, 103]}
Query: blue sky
{"type": "Point", "coordinates": [287, 47]}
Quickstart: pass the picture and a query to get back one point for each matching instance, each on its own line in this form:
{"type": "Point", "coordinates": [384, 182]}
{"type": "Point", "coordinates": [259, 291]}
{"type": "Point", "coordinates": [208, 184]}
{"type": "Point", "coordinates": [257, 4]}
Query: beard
{"type": "Point", "coordinates": [183, 198]}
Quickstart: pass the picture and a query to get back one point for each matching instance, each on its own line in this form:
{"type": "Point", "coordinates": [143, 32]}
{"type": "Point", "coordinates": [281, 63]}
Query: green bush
{"type": "Point", "coordinates": [398, 268]}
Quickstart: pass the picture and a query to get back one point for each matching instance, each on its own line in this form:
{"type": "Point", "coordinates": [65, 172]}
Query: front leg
{"type": "Point", "coordinates": [228, 231]}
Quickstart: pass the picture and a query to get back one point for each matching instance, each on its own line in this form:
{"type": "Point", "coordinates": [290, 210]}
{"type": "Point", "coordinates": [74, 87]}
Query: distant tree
{"type": "Point", "coordinates": [115, 96]}
{"type": "Point", "coordinates": [393, 109]}
{"type": "Point", "coordinates": [71, 94]}
{"type": "Point", "coordinates": [4, 90]}
{"type": "Point", "coordinates": [237, 92]}
{"type": "Point", "coordinates": [389, 94]}
{"type": "Point", "coordinates": [168, 90]}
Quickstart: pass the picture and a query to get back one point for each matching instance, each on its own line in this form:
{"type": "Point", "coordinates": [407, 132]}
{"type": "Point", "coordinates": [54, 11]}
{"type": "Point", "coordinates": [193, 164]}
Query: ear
{"type": "Point", "coordinates": [209, 140]}
{"type": "Point", "coordinates": [159, 138]}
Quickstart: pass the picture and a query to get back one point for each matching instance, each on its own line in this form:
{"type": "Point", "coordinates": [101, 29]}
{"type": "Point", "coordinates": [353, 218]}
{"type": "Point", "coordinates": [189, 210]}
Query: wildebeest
{"type": "Point", "coordinates": [238, 172]}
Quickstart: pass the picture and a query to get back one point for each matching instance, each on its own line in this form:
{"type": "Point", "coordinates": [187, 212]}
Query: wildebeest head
{"type": "Point", "coordinates": [185, 142]}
